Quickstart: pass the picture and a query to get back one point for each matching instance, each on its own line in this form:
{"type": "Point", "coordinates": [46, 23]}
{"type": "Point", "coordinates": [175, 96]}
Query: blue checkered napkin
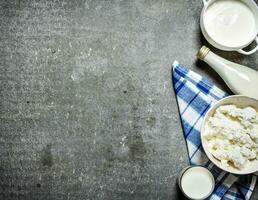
{"type": "Point", "coordinates": [195, 95]}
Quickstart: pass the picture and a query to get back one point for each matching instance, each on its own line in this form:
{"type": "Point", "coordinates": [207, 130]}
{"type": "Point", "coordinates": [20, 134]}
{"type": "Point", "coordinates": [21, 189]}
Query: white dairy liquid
{"type": "Point", "coordinates": [230, 23]}
{"type": "Point", "coordinates": [197, 183]}
{"type": "Point", "coordinates": [240, 79]}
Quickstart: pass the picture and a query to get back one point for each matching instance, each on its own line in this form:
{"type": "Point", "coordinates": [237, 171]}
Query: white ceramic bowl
{"type": "Point", "coordinates": [252, 5]}
{"type": "Point", "coordinates": [239, 101]}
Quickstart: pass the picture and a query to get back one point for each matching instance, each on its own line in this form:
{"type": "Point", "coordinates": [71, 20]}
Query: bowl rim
{"type": "Point", "coordinates": [206, 150]}
{"type": "Point", "coordinates": [251, 4]}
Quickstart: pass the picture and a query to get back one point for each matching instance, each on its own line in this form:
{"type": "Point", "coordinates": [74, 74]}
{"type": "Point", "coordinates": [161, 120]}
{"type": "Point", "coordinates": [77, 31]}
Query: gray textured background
{"type": "Point", "coordinates": [87, 110]}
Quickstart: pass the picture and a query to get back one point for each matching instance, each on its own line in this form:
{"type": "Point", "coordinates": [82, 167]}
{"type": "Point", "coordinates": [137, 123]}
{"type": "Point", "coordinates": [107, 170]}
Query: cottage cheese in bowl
{"type": "Point", "coordinates": [229, 134]}
{"type": "Point", "coordinates": [232, 135]}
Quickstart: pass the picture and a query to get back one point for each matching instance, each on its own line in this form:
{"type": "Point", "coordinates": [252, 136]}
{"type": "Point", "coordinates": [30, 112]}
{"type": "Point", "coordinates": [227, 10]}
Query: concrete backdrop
{"type": "Point", "coordinates": [87, 109]}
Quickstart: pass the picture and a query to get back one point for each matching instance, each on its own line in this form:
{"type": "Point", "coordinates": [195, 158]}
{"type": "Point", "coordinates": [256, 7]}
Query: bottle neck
{"type": "Point", "coordinates": [216, 62]}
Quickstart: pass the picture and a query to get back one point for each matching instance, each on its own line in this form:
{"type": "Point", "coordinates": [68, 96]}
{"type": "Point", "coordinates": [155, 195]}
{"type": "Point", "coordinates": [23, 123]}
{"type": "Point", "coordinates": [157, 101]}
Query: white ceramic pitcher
{"type": "Point", "coordinates": [253, 7]}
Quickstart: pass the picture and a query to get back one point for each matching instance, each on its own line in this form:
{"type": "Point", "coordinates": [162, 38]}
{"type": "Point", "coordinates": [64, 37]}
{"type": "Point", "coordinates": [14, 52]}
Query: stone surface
{"type": "Point", "coordinates": [87, 109]}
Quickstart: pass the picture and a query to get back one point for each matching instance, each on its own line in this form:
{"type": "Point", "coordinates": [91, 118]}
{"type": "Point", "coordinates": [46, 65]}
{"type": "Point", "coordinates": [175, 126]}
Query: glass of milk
{"type": "Point", "coordinates": [230, 25]}
{"type": "Point", "coordinates": [196, 182]}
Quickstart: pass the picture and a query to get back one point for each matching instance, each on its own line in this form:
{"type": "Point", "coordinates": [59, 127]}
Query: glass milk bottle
{"type": "Point", "coordinates": [240, 79]}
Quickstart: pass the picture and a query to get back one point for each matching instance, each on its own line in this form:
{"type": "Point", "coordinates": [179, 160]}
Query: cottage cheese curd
{"type": "Point", "coordinates": [232, 135]}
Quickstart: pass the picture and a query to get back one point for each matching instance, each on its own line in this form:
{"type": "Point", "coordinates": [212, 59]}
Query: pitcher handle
{"type": "Point", "coordinates": [249, 52]}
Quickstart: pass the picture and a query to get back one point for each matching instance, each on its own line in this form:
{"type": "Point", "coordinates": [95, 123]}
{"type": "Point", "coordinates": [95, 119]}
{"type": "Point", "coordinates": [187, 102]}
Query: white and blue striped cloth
{"type": "Point", "coordinates": [195, 95]}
